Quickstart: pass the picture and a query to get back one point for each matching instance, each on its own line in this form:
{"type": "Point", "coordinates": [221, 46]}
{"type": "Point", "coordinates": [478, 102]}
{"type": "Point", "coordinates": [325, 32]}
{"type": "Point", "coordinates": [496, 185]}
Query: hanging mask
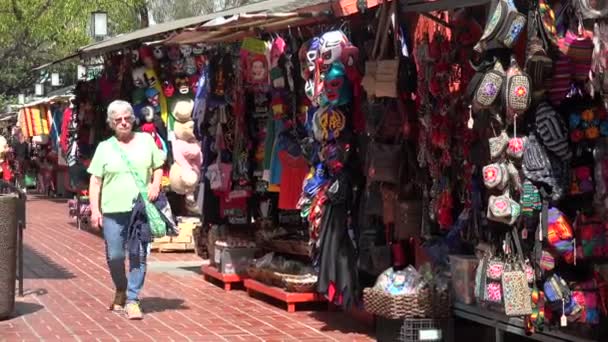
{"type": "Point", "coordinates": [146, 56]}
{"type": "Point", "coordinates": [350, 56]}
{"type": "Point", "coordinates": [183, 85]}
{"type": "Point", "coordinates": [159, 52]}
{"type": "Point", "coordinates": [178, 66]}
{"type": "Point", "coordinates": [168, 88]}
{"type": "Point", "coordinates": [193, 83]}
{"type": "Point", "coordinates": [337, 90]}
{"type": "Point", "coordinates": [312, 55]}
{"type": "Point", "coordinates": [277, 50]}
{"type": "Point", "coordinates": [153, 97]}
{"type": "Point", "coordinates": [302, 56]}
{"type": "Point", "coordinates": [151, 77]}
{"type": "Point", "coordinates": [309, 89]}
{"type": "Point", "coordinates": [198, 49]}
{"type": "Point", "coordinates": [134, 56]}
{"type": "Point", "coordinates": [173, 53]}
{"type": "Point", "coordinates": [331, 45]}
{"type": "Point", "coordinates": [148, 113]}
{"type": "Point", "coordinates": [186, 50]}
{"type": "Point", "coordinates": [190, 66]}
{"type": "Point", "coordinates": [258, 70]}
{"type": "Point", "coordinates": [139, 77]}
{"type": "Point", "coordinates": [200, 62]}
{"type": "Point", "coordinates": [328, 123]}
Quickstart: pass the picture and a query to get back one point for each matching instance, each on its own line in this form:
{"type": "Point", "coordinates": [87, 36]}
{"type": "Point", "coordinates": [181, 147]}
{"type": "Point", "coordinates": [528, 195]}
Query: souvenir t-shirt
{"type": "Point", "coordinates": [118, 189]}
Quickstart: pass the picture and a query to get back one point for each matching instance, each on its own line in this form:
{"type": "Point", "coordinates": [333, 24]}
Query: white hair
{"type": "Point", "coordinates": [117, 107]}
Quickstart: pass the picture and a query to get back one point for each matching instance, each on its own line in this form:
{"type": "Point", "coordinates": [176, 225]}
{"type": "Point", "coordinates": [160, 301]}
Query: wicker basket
{"type": "Point", "coordinates": [265, 276]}
{"type": "Point", "coordinates": [300, 283]}
{"type": "Point", "coordinates": [424, 304]}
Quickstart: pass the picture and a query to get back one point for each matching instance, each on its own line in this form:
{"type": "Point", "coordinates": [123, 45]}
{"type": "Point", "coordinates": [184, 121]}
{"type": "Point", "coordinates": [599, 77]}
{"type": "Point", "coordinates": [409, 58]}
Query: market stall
{"type": "Point", "coordinates": [363, 153]}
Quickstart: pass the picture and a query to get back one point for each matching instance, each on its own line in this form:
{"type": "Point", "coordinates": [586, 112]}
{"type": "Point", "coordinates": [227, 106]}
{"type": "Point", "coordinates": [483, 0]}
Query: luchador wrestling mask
{"type": "Point", "coordinates": [146, 56]}
{"type": "Point", "coordinates": [302, 56]}
{"type": "Point", "coordinates": [312, 55]}
{"type": "Point", "coordinates": [330, 47]}
{"type": "Point", "coordinates": [198, 49]}
{"type": "Point", "coordinates": [178, 66]}
{"type": "Point", "coordinates": [309, 89]}
{"type": "Point", "coordinates": [173, 52]}
{"type": "Point", "coordinates": [337, 90]}
{"type": "Point", "coordinates": [151, 77]}
{"type": "Point", "coordinates": [183, 85]}
{"type": "Point", "coordinates": [159, 52]}
{"type": "Point", "coordinates": [190, 66]}
{"type": "Point", "coordinates": [153, 97]}
{"type": "Point", "coordinates": [186, 50]}
{"type": "Point", "coordinates": [350, 56]}
{"type": "Point", "coordinates": [168, 88]}
{"type": "Point", "coordinates": [139, 77]}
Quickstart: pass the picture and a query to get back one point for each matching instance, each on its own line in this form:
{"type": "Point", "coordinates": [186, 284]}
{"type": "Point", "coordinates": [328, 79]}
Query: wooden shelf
{"type": "Point", "coordinates": [290, 298]}
{"type": "Point", "coordinates": [210, 272]}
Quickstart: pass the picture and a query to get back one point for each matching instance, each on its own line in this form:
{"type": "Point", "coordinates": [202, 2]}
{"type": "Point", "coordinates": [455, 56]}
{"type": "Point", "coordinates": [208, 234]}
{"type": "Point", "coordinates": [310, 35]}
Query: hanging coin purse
{"type": "Point", "coordinates": [516, 292]}
{"type": "Point", "coordinates": [503, 209]}
{"type": "Point", "coordinates": [504, 27]}
{"type": "Point", "coordinates": [515, 148]}
{"type": "Point", "coordinates": [490, 87]}
{"type": "Point", "coordinates": [495, 176]}
{"type": "Point", "coordinates": [493, 292]}
{"type": "Point", "coordinates": [498, 145]}
{"type": "Point", "coordinates": [517, 94]}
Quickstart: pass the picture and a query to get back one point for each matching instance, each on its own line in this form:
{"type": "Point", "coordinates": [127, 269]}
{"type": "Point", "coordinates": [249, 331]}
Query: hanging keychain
{"type": "Point", "coordinates": [563, 321]}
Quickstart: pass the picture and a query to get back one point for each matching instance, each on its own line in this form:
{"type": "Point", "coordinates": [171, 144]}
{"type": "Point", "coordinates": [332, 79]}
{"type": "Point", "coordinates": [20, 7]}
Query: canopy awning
{"type": "Point", "coordinates": [158, 31]}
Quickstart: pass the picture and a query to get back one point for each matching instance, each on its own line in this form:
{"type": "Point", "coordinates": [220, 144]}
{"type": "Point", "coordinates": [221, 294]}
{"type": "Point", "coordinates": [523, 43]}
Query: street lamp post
{"type": "Point", "coordinates": [99, 25]}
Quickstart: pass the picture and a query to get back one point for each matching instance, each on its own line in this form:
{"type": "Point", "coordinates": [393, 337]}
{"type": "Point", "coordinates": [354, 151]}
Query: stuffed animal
{"type": "Point", "coordinates": [185, 171]}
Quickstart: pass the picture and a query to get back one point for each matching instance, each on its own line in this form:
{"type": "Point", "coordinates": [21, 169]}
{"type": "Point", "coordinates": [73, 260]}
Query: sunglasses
{"type": "Point", "coordinates": [127, 119]}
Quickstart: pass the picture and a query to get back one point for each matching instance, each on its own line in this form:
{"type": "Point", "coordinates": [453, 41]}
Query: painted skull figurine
{"type": "Point", "coordinates": [159, 52]}
{"type": "Point", "coordinates": [186, 50]}
{"type": "Point", "coordinates": [153, 97]}
{"type": "Point", "coordinates": [190, 66]}
{"type": "Point", "coordinates": [198, 49]}
{"type": "Point", "coordinates": [173, 52]}
{"type": "Point", "coordinates": [139, 77]}
{"type": "Point", "coordinates": [183, 85]}
{"type": "Point", "coordinates": [331, 45]}
{"type": "Point", "coordinates": [168, 88]}
{"type": "Point", "coordinates": [337, 90]}
{"type": "Point", "coordinates": [134, 56]}
{"type": "Point", "coordinates": [178, 66]}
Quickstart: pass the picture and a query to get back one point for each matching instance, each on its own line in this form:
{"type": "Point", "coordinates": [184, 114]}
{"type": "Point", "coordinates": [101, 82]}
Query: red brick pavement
{"type": "Point", "coordinates": [67, 290]}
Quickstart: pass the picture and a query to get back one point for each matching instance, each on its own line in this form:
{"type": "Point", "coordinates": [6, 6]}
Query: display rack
{"type": "Point", "coordinates": [289, 298]}
{"type": "Point", "coordinates": [228, 280]}
{"type": "Point", "coordinates": [512, 325]}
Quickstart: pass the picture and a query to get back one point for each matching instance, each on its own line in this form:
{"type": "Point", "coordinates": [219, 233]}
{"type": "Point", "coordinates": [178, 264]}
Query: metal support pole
{"type": "Point", "coordinates": [20, 259]}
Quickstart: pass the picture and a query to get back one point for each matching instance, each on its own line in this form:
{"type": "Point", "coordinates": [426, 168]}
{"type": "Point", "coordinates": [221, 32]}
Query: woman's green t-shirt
{"type": "Point", "coordinates": [119, 189]}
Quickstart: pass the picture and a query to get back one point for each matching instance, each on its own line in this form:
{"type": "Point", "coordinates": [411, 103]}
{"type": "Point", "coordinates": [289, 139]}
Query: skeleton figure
{"type": "Point", "coordinates": [186, 50]}
{"type": "Point", "coordinates": [159, 52]}
{"type": "Point", "coordinates": [139, 77]}
{"type": "Point", "coordinates": [198, 49]}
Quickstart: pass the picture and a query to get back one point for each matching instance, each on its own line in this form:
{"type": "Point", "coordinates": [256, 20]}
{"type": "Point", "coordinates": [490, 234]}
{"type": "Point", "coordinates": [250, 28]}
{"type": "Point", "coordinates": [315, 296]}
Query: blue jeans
{"type": "Point", "coordinates": [115, 228]}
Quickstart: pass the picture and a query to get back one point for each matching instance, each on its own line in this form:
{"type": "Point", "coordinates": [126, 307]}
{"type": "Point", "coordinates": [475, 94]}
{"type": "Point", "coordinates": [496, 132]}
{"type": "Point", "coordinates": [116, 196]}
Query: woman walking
{"type": "Point", "coordinates": [119, 169]}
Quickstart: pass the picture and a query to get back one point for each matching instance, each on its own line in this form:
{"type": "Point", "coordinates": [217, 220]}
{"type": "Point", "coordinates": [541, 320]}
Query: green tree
{"type": "Point", "coordinates": [34, 32]}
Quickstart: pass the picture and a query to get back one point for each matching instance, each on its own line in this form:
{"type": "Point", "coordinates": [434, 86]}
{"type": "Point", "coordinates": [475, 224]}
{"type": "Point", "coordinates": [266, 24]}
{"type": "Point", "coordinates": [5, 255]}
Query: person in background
{"type": "Point", "coordinates": [21, 154]}
{"type": "Point", "coordinates": [113, 190]}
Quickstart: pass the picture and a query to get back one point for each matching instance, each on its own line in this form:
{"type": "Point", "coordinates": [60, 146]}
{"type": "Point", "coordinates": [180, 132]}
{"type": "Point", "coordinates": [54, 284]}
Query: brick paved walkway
{"type": "Point", "coordinates": [67, 290]}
